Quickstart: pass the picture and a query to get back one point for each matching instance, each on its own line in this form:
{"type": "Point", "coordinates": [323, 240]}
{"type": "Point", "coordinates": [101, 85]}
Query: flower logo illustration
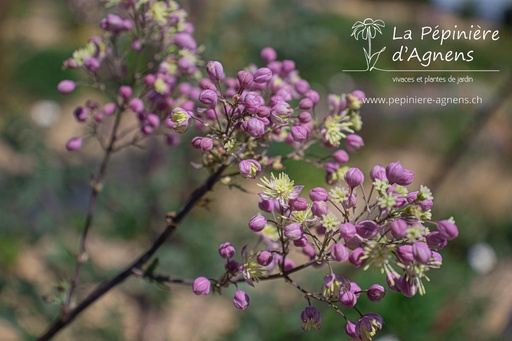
{"type": "Point", "coordinates": [367, 29]}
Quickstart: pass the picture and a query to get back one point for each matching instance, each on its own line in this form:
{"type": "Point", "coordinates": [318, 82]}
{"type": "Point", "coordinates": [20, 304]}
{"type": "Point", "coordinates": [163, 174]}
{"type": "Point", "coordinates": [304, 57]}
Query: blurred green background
{"type": "Point", "coordinates": [44, 189]}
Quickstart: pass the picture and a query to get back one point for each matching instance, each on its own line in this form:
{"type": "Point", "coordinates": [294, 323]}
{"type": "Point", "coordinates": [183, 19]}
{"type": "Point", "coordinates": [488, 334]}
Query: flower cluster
{"type": "Point", "coordinates": [383, 225]}
{"type": "Point", "coordinates": [139, 62]}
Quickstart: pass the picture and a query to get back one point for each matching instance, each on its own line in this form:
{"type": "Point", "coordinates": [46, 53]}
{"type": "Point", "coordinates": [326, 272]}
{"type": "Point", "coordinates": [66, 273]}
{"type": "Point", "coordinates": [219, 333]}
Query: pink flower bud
{"type": "Point", "coordinates": [215, 71]}
{"type": "Point", "coordinates": [378, 172]}
{"type": "Point", "coordinates": [376, 293]}
{"type": "Point", "coordinates": [354, 177]}
{"type": "Point", "coordinates": [405, 254]}
{"type": "Point", "coordinates": [408, 289]}
{"type": "Point", "coordinates": [125, 92]}
{"type": "Point", "coordinates": [355, 257]}
{"type": "Point", "coordinates": [447, 229]}
{"type": "Point", "coordinates": [367, 229]}
{"type": "Point", "coordinates": [348, 299]}
{"type": "Point", "coordinates": [137, 105]}
{"type": "Point", "coordinates": [304, 117]}
{"type": "Point", "coordinates": [226, 251]}
{"type": "Point", "coordinates": [257, 223]}
{"type": "Point", "coordinates": [299, 133]}
{"type": "Point", "coordinates": [293, 231]}
{"type": "Point", "coordinates": [319, 208]}
{"type": "Point", "coordinates": [268, 54]}
{"type": "Point", "coordinates": [306, 104]}
{"type": "Point", "coordinates": [262, 75]}
{"type": "Point", "coordinates": [249, 168]}
{"type": "Point", "coordinates": [66, 87]}
{"type": "Point", "coordinates": [354, 142]}
{"type": "Point", "coordinates": [318, 194]}
{"type": "Point", "coordinates": [109, 108]}
{"type": "Point", "coordinates": [264, 258]}
{"type": "Point", "coordinates": [398, 228]}
{"type": "Point", "coordinates": [81, 114]}
{"type": "Point", "coordinates": [340, 156]}
{"type": "Point", "coordinates": [302, 86]}
{"type": "Point", "coordinates": [241, 300]}
{"type": "Point", "coordinates": [245, 79]}
{"type": "Point", "coordinates": [74, 144]}
{"type": "Point", "coordinates": [421, 252]}
{"type": "Point", "coordinates": [350, 330]}
{"type": "Point", "coordinates": [201, 286]}
{"type": "Point", "coordinates": [299, 204]}
{"type": "Point", "coordinates": [255, 127]}
{"type": "Point", "coordinates": [339, 252]}
{"type": "Point", "coordinates": [208, 97]}
{"type": "Point", "coordinates": [347, 231]}
{"type": "Point", "coordinates": [394, 282]}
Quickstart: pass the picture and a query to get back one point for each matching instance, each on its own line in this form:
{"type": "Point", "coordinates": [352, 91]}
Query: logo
{"type": "Point", "coordinates": [407, 52]}
{"type": "Point", "coordinates": [367, 30]}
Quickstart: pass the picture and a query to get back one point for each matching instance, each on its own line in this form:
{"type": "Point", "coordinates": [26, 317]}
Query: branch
{"type": "Point", "coordinates": [103, 288]}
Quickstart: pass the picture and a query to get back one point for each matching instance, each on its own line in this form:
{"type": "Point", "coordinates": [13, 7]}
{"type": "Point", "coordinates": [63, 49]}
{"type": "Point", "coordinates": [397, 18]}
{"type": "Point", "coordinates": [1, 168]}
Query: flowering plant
{"type": "Point", "coordinates": [147, 64]}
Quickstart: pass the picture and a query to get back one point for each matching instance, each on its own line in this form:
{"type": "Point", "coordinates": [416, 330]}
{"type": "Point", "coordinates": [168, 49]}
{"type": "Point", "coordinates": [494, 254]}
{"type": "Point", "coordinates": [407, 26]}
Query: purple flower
{"type": "Point", "coordinates": [185, 41]}
{"type": "Point", "coordinates": [208, 97]}
{"type": "Point", "coordinates": [339, 252]}
{"type": "Point", "coordinates": [421, 252]}
{"type": "Point", "coordinates": [257, 223]}
{"type": "Point", "coordinates": [318, 194]}
{"type": "Point", "coordinates": [215, 71]}
{"type": "Point", "coordinates": [201, 286]}
{"type": "Point", "coordinates": [264, 258]}
{"type": "Point", "coordinates": [447, 229]}
{"type": "Point", "coordinates": [367, 229]}
{"type": "Point", "coordinates": [378, 172]}
{"type": "Point", "coordinates": [241, 300]}
{"type": "Point", "coordinates": [368, 325]}
{"type": "Point", "coordinates": [436, 241]}
{"type": "Point", "coordinates": [311, 318]}
{"type": "Point", "coordinates": [394, 282]}
{"type": "Point", "coordinates": [354, 177]}
{"type": "Point", "coordinates": [226, 250]}
{"type": "Point", "coordinates": [354, 142]}
{"type": "Point", "coordinates": [74, 144]}
{"type": "Point", "coordinates": [262, 75]}
{"type": "Point", "coordinates": [293, 231]}
{"type": "Point", "coordinates": [299, 133]}
{"type": "Point", "coordinates": [376, 293]}
{"type": "Point", "coordinates": [249, 168]}
{"type": "Point", "coordinates": [66, 87]}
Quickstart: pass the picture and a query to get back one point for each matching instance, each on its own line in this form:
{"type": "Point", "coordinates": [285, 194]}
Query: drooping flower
{"type": "Point", "coordinates": [311, 318]}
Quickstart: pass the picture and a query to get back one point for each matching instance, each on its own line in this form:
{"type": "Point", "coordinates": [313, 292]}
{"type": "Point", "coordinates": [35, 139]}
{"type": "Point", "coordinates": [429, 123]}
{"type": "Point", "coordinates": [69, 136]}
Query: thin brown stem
{"type": "Point", "coordinates": [173, 221]}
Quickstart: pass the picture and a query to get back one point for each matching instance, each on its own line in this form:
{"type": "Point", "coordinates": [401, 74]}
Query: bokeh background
{"type": "Point", "coordinates": [462, 151]}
